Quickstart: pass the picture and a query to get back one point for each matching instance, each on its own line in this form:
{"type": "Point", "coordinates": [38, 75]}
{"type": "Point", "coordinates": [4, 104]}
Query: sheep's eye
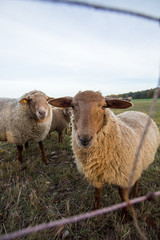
{"type": "Point", "coordinates": [104, 106]}
{"type": "Point", "coordinates": [73, 107]}
{"type": "Point", "coordinates": [29, 99]}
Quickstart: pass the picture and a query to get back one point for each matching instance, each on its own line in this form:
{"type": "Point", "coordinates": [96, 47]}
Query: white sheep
{"type": "Point", "coordinates": [105, 144]}
{"type": "Point", "coordinates": [24, 119]}
{"type": "Point", "coordinates": [60, 121]}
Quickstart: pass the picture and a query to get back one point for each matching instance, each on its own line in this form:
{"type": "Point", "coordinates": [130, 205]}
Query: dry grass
{"type": "Point", "coordinates": [33, 193]}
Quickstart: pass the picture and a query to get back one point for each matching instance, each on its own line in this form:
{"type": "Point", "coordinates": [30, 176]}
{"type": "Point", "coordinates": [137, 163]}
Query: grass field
{"type": "Point", "coordinates": [32, 193]}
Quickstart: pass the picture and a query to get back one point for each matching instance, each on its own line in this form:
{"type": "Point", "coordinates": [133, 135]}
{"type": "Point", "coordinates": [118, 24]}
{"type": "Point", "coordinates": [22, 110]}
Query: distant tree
{"type": "Point", "coordinates": [150, 93]}
{"type": "Point", "coordinates": [136, 95]}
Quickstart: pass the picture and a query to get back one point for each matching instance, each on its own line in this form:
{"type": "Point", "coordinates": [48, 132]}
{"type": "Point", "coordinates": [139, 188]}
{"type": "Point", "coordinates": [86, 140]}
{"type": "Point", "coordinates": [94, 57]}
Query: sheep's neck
{"type": "Point", "coordinates": [108, 139]}
{"type": "Point", "coordinates": [92, 161]}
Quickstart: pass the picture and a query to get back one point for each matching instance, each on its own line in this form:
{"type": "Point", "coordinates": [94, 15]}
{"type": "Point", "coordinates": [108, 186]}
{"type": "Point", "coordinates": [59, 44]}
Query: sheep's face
{"type": "Point", "coordinates": [88, 109]}
{"type": "Point", "coordinates": [38, 104]}
{"type": "Point", "coordinates": [67, 111]}
{"type": "Point", "coordinates": [88, 114]}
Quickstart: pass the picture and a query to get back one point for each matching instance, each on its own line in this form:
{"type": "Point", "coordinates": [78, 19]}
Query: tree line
{"type": "Point", "coordinates": [136, 95]}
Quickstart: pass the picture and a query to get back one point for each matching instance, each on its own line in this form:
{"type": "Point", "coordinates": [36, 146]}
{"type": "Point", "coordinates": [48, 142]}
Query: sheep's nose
{"type": "Point", "coordinates": [84, 140]}
{"type": "Point", "coordinates": [42, 114]}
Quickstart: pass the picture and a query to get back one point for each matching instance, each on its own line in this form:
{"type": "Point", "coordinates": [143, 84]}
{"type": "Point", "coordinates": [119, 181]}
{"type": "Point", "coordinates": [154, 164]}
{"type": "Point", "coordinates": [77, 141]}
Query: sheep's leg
{"type": "Point", "coordinates": [97, 198]}
{"type": "Point", "coordinates": [123, 192]}
{"type": "Point", "coordinates": [26, 145]}
{"type": "Point", "coordinates": [60, 137]}
{"type": "Point", "coordinates": [134, 191]}
{"type": "Point", "coordinates": [44, 158]}
{"type": "Point", "coordinates": [20, 149]}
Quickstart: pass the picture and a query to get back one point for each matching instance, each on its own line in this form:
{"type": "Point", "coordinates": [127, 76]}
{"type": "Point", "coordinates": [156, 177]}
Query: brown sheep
{"type": "Point", "coordinates": [60, 121]}
{"type": "Point", "coordinates": [105, 144]}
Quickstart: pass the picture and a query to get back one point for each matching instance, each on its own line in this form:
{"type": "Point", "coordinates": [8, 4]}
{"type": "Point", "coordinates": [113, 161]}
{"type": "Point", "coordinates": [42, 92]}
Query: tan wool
{"type": "Point", "coordinates": [110, 159]}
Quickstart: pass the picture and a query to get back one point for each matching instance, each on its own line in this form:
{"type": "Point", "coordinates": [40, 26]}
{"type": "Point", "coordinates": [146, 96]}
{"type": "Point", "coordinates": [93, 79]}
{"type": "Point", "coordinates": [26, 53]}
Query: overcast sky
{"type": "Point", "coordinates": [61, 49]}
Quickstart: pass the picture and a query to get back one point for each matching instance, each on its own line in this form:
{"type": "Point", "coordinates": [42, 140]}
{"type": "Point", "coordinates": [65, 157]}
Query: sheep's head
{"type": "Point", "coordinates": [67, 111]}
{"type": "Point", "coordinates": [88, 110]}
{"type": "Point", "coordinates": [38, 104]}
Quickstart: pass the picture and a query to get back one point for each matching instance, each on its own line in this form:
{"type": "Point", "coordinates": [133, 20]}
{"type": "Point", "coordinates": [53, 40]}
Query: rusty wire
{"type": "Point", "coordinates": [109, 9]}
{"type": "Point", "coordinates": [149, 196]}
{"type": "Point", "coordinates": [152, 109]}
{"type": "Point", "coordinates": [77, 218]}
{"type": "Point", "coordinates": [151, 112]}
{"type": "Point", "coordinates": [95, 213]}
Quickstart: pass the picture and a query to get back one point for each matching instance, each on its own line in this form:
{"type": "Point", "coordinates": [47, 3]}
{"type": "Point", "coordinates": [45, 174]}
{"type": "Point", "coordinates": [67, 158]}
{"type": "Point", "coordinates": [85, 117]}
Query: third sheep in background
{"type": "Point", "coordinates": [60, 121]}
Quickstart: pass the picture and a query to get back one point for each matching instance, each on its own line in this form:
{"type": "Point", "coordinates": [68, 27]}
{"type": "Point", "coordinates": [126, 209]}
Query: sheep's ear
{"type": "Point", "coordinates": [24, 100]}
{"type": "Point", "coordinates": [61, 102]}
{"type": "Point", "coordinates": [117, 103]}
{"type": "Point", "coordinates": [50, 98]}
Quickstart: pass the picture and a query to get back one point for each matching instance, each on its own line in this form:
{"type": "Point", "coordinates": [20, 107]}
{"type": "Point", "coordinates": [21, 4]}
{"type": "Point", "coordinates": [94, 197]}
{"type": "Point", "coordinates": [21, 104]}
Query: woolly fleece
{"type": "Point", "coordinates": [18, 124]}
{"type": "Point", "coordinates": [60, 120]}
{"type": "Point", "coordinates": [111, 158]}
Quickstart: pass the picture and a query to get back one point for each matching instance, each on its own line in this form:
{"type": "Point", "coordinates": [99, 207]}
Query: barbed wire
{"type": "Point", "coordinates": [148, 196]}
{"type": "Point", "coordinates": [95, 213]}
{"type": "Point", "coordinates": [109, 9]}
{"type": "Point", "coordinates": [151, 112]}
{"type": "Point", "coordinates": [77, 218]}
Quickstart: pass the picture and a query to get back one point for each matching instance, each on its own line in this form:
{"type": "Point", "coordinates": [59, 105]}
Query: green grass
{"type": "Point", "coordinates": [32, 193]}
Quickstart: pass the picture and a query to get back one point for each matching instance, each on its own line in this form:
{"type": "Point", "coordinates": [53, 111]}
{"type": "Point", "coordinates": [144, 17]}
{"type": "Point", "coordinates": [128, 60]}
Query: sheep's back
{"type": "Point", "coordinates": [6, 112]}
{"type": "Point", "coordinates": [137, 122]}
{"type": "Point", "coordinates": [59, 120]}
{"type": "Point", "coordinates": [6, 103]}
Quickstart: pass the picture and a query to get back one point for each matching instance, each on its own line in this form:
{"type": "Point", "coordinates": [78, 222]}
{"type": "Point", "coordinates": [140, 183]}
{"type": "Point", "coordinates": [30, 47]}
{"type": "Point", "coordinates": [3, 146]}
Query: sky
{"type": "Point", "coordinates": [61, 49]}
